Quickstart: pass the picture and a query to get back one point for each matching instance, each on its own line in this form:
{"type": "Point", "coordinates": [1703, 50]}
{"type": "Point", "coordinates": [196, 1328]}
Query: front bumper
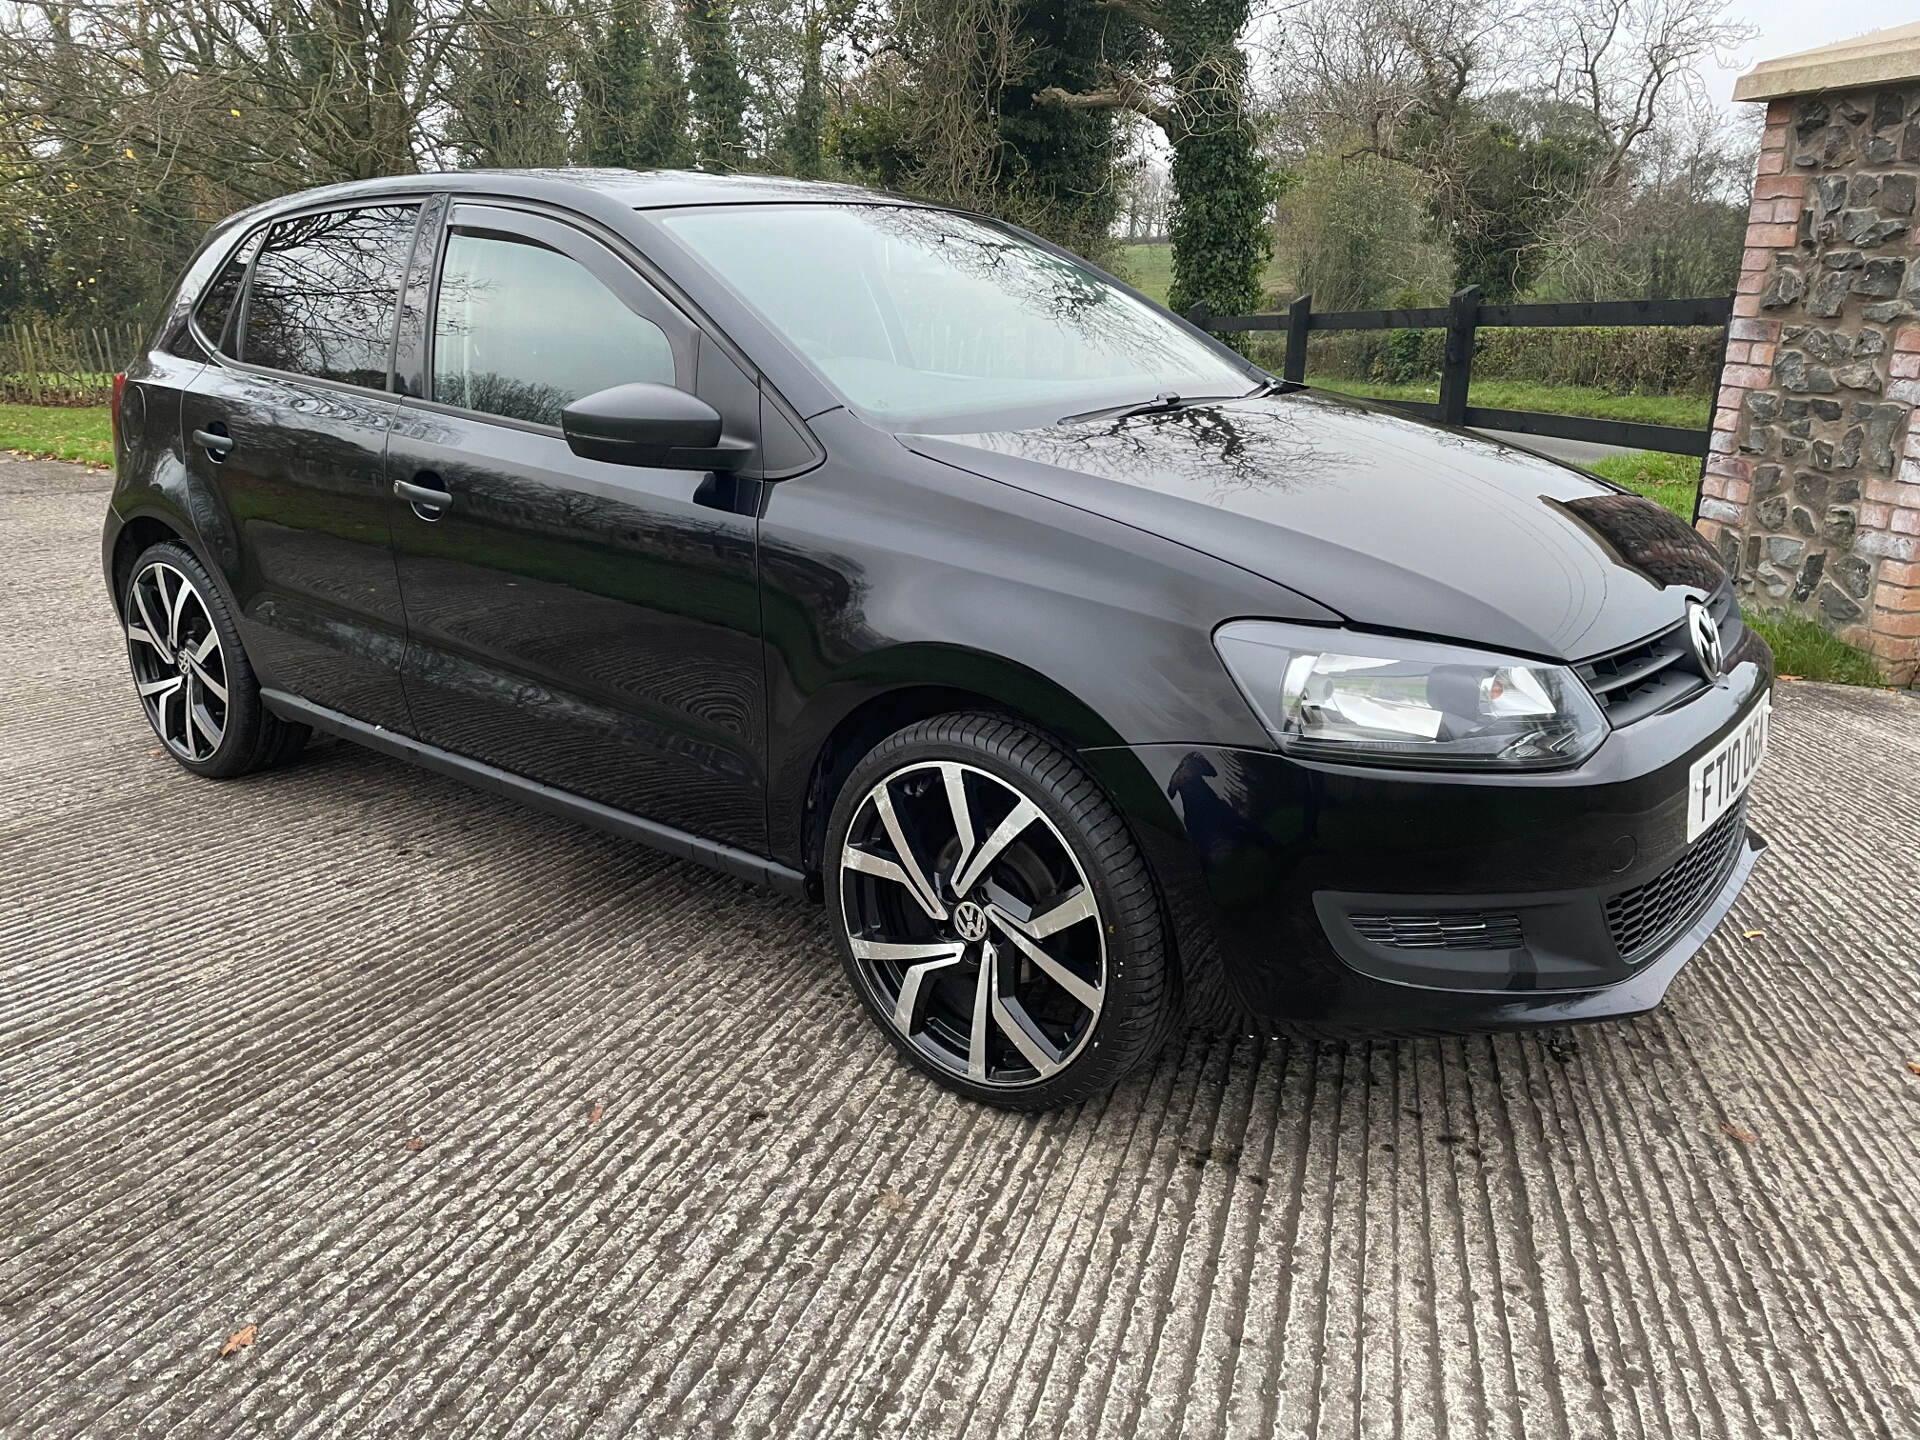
{"type": "Point", "coordinates": [1358, 899]}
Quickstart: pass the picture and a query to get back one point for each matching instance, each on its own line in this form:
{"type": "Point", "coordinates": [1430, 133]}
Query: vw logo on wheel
{"type": "Point", "coordinates": [1704, 631]}
{"type": "Point", "coordinates": [970, 921]}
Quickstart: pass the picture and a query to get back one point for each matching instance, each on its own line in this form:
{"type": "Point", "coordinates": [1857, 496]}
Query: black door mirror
{"type": "Point", "coordinates": [646, 424]}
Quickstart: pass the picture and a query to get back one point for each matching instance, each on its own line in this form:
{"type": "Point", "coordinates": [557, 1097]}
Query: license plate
{"type": "Point", "coordinates": [1719, 777]}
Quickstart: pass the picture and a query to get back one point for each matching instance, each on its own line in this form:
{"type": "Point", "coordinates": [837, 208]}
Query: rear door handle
{"type": "Point", "coordinates": [215, 441]}
{"type": "Point", "coordinates": [424, 497]}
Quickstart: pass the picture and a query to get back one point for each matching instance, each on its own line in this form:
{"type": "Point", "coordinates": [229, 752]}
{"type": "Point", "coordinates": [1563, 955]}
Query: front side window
{"type": "Point", "coordinates": [924, 317]}
{"type": "Point", "coordinates": [522, 331]}
{"type": "Point", "coordinates": [324, 292]}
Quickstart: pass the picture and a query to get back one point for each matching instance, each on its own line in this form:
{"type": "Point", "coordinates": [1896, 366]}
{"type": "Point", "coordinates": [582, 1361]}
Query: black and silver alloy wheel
{"type": "Point", "coordinates": [179, 667]}
{"type": "Point", "coordinates": [995, 915]}
{"type": "Point", "coordinates": [971, 916]}
{"type": "Point", "coordinates": [191, 672]}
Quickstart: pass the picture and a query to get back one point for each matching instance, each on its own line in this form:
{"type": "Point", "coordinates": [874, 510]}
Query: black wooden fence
{"type": "Point", "coordinates": [1460, 319]}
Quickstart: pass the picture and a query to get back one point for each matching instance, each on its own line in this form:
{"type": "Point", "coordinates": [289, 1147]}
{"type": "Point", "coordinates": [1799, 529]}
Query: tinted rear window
{"type": "Point", "coordinates": [223, 292]}
{"type": "Point", "coordinates": [324, 292]}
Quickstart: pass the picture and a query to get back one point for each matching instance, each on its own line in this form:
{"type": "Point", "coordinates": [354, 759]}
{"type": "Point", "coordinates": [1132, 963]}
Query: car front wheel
{"type": "Point", "coordinates": [995, 915]}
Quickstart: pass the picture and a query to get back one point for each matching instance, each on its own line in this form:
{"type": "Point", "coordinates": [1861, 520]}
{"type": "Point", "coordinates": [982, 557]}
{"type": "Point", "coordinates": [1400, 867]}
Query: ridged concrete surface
{"type": "Point", "coordinates": [226, 1009]}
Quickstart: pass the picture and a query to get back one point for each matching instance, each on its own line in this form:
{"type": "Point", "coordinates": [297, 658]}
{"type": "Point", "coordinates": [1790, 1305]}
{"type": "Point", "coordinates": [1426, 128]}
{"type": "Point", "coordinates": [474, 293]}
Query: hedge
{"type": "Point", "coordinates": [1635, 359]}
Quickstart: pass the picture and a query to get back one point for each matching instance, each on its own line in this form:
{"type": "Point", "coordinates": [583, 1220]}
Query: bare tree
{"type": "Point", "coordinates": [1625, 62]}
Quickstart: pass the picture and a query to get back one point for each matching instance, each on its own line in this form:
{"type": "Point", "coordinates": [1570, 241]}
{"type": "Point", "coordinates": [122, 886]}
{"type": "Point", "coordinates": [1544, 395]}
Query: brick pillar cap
{"type": "Point", "coordinates": [1882, 57]}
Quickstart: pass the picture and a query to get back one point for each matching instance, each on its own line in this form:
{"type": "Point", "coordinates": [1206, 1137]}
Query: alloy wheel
{"type": "Point", "coordinates": [972, 923]}
{"type": "Point", "coordinates": [178, 665]}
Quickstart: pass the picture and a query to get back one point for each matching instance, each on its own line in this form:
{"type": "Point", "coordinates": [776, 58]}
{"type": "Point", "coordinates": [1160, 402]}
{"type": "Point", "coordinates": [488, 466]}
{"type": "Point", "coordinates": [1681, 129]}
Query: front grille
{"type": "Point", "coordinates": [1646, 678]}
{"type": "Point", "coordinates": [1647, 917]}
{"type": "Point", "coordinates": [1634, 683]}
{"type": "Point", "coordinates": [1442, 929]}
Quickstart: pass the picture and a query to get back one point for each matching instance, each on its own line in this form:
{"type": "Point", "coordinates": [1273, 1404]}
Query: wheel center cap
{"type": "Point", "coordinates": [970, 921]}
{"type": "Point", "coordinates": [180, 659]}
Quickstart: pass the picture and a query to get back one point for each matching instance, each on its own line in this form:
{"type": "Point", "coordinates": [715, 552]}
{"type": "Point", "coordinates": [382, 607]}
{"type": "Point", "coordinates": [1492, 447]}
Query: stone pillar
{"type": "Point", "coordinates": [1812, 487]}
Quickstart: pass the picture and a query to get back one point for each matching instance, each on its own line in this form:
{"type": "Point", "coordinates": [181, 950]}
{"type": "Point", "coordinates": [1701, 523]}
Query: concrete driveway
{"type": "Point", "coordinates": [487, 1125]}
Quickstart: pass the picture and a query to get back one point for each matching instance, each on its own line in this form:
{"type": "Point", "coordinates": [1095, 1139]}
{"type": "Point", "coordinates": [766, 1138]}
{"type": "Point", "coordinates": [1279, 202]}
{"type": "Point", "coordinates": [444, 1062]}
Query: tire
{"type": "Point", "coordinates": [185, 650]}
{"type": "Point", "coordinates": [1079, 988]}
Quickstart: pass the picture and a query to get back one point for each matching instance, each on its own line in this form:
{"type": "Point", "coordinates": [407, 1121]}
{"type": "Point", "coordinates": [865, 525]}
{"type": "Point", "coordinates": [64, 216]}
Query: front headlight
{"type": "Point", "coordinates": [1336, 695]}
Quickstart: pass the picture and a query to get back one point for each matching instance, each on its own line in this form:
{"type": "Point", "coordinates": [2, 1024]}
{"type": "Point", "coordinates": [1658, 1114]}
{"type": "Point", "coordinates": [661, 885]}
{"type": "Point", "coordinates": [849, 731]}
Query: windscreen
{"type": "Point", "coordinates": [921, 317]}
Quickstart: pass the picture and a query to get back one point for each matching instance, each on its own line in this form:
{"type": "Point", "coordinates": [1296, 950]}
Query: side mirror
{"type": "Point", "coordinates": [645, 424]}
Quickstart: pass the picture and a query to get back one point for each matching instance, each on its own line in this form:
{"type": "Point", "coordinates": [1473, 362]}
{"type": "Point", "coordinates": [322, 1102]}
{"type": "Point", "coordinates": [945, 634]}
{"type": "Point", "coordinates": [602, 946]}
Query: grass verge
{"type": "Point", "coordinates": [1803, 650]}
{"type": "Point", "coordinates": [58, 432]}
{"type": "Point", "coordinates": [1669, 480]}
{"type": "Point", "coordinates": [1687, 411]}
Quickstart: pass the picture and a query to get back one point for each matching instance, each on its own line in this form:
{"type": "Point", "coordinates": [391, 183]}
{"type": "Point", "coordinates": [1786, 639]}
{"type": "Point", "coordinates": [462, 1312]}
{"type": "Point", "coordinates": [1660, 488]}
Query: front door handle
{"type": "Point", "coordinates": [214, 440]}
{"type": "Point", "coordinates": [424, 498]}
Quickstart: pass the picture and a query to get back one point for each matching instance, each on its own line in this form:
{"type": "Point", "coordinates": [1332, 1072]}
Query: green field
{"type": "Point", "coordinates": [1149, 269]}
{"type": "Point", "coordinates": [57, 432]}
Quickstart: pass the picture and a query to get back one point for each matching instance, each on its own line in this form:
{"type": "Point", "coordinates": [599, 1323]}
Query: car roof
{"type": "Point", "coordinates": [629, 189]}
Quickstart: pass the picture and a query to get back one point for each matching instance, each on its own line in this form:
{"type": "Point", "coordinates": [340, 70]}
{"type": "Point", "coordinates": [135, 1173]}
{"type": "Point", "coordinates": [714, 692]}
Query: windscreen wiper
{"type": "Point", "coordinates": [1160, 404]}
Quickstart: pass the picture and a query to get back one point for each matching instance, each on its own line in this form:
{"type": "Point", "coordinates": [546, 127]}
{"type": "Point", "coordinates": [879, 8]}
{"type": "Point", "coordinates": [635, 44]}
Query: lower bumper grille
{"type": "Point", "coordinates": [1646, 918]}
{"type": "Point", "coordinates": [1441, 929]}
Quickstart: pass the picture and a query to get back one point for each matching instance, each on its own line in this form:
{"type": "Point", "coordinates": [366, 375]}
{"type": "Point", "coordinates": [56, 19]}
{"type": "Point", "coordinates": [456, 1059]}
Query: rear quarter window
{"type": "Point", "coordinates": [324, 293]}
{"type": "Point", "coordinates": [214, 314]}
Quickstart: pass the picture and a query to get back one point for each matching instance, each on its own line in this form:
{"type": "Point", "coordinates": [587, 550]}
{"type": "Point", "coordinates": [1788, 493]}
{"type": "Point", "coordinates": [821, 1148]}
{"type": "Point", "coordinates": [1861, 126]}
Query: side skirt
{"type": "Point", "coordinates": [725, 858]}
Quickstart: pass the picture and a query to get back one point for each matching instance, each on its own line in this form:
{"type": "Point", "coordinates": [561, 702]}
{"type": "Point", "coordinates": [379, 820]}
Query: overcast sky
{"type": "Point", "coordinates": [1789, 26]}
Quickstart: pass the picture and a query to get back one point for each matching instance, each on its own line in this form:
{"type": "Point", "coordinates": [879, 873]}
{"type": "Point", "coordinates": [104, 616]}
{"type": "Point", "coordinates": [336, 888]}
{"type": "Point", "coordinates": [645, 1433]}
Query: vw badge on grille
{"type": "Point", "coordinates": [1704, 631]}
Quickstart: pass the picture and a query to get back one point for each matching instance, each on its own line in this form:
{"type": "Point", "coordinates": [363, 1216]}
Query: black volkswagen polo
{"type": "Point", "coordinates": [887, 554]}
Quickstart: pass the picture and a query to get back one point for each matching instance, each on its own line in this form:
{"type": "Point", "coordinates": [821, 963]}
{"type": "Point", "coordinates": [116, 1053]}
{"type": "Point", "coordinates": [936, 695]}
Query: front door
{"type": "Point", "coordinates": [287, 428]}
{"type": "Point", "coordinates": [589, 625]}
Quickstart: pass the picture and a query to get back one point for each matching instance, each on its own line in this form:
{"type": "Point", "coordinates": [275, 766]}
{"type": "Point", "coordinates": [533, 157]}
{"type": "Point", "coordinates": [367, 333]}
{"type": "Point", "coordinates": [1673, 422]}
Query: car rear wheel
{"type": "Point", "coordinates": [995, 915]}
{"type": "Point", "coordinates": [192, 675]}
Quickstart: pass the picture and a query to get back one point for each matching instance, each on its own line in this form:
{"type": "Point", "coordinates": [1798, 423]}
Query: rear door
{"type": "Point", "coordinates": [288, 430]}
{"type": "Point", "coordinates": [589, 625]}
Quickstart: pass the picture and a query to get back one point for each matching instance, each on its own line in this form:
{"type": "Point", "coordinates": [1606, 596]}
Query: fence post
{"type": "Point", "coordinates": [1299, 316]}
{"type": "Point", "coordinates": [1463, 313]}
{"type": "Point", "coordinates": [1198, 315]}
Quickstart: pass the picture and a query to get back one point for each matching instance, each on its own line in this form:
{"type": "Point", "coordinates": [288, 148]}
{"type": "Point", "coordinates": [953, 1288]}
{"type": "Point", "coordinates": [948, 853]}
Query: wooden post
{"type": "Point", "coordinates": [1198, 315]}
{"type": "Point", "coordinates": [1299, 320]}
{"type": "Point", "coordinates": [1463, 313]}
{"type": "Point", "coordinates": [29, 367]}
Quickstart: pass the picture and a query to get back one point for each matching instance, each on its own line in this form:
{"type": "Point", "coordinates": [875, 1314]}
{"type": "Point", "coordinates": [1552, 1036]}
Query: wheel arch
{"type": "Point", "coordinates": [841, 722]}
{"type": "Point", "coordinates": [136, 534]}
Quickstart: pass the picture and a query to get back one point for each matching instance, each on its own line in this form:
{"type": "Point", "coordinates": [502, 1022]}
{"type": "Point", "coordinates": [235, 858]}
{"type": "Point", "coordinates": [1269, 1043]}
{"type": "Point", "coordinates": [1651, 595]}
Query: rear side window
{"type": "Point", "coordinates": [324, 293]}
{"type": "Point", "coordinates": [521, 331]}
{"type": "Point", "coordinates": [214, 313]}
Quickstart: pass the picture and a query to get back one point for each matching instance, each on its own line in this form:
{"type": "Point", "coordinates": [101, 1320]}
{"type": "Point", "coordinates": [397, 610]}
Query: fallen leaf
{"type": "Point", "coordinates": [239, 1340]}
{"type": "Point", "coordinates": [416, 1143]}
{"type": "Point", "coordinates": [593, 1115]}
{"type": "Point", "coordinates": [890, 1199]}
{"type": "Point", "coordinates": [1751, 934]}
{"type": "Point", "coordinates": [1745, 1137]}
{"type": "Point", "coordinates": [156, 752]}
{"type": "Point", "coordinates": [1786, 677]}
{"type": "Point", "coordinates": [1914, 1065]}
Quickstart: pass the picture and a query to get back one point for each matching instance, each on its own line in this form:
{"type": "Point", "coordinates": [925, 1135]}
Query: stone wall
{"type": "Point", "coordinates": [1812, 489]}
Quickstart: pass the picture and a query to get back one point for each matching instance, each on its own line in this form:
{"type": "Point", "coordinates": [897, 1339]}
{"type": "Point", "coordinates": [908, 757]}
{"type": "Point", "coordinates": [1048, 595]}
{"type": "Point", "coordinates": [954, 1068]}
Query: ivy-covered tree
{"type": "Point", "coordinates": [1504, 195]}
{"type": "Point", "coordinates": [804, 141]}
{"type": "Point", "coordinates": [633, 89]}
{"type": "Point", "coordinates": [506, 108]}
{"type": "Point", "coordinates": [1189, 77]}
{"type": "Point", "coordinates": [720, 95]}
{"type": "Point", "coordinates": [1063, 158]}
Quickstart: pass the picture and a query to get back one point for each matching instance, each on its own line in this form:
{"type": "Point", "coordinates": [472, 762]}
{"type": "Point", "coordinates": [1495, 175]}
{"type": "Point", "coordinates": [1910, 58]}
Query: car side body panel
{"type": "Point", "coordinates": [884, 570]}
